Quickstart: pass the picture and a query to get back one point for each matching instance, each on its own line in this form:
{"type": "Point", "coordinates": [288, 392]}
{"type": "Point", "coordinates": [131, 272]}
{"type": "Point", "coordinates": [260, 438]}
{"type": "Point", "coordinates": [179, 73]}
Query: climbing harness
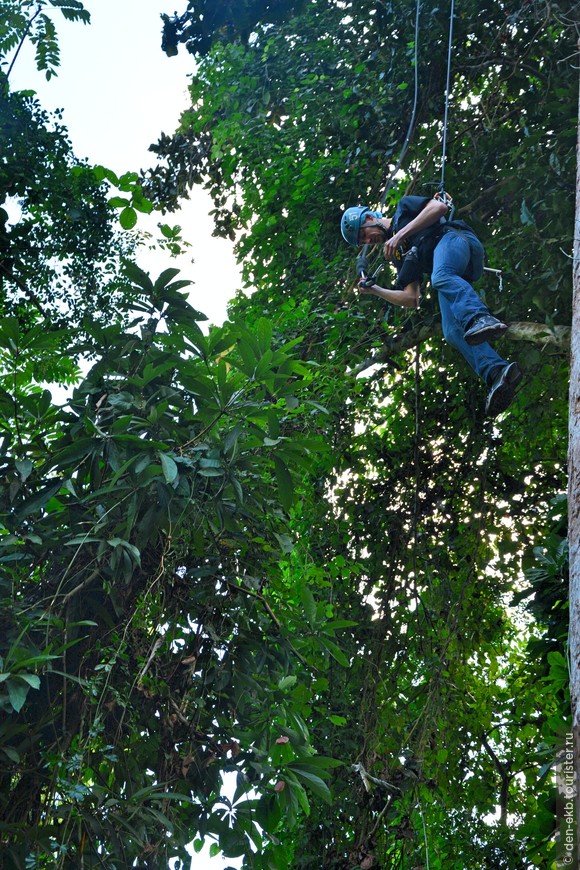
{"type": "Point", "coordinates": [446, 199]}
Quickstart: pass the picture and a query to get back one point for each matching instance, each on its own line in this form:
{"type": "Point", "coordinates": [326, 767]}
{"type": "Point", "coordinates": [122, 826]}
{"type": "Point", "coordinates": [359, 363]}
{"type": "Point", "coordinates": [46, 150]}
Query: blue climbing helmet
{"type": "Point", "coordinates": [353, 219]}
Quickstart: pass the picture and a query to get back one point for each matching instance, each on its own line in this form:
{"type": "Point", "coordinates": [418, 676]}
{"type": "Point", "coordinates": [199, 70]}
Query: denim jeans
{"type": "Point", "coordinates": [458, 259]}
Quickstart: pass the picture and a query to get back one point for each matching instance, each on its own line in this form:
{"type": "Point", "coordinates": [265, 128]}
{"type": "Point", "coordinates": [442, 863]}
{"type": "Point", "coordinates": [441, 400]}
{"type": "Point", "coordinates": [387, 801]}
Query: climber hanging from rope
{"type": "Point", "coordinates": [418, 239]}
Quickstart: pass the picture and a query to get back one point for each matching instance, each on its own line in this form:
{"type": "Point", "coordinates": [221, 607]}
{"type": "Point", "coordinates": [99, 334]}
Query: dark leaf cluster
{"type": "Point", "coordinates": [58, 249]}
{"type": "Point", "coordinates": [147, 643]}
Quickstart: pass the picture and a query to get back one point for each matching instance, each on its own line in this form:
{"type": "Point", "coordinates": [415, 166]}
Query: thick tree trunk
{"type": "Point", "coordinates": [574, 495]}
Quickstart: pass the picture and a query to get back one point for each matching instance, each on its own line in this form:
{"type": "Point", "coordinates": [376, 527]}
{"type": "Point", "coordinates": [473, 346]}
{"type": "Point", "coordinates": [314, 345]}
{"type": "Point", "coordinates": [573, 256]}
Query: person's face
{"type": "Point", "coordinates": [371, 233]}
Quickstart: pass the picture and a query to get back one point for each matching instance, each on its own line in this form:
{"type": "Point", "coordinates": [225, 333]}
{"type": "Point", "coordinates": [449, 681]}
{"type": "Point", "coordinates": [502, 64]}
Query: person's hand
{"type": "Point", "coordinates": [365, 289]}
{"type": "Point", "coordinates": [391, 246]}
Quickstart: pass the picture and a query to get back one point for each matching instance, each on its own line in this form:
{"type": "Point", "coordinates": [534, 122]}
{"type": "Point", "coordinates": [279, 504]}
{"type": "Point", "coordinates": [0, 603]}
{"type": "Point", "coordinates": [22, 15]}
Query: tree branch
{"type": "Point", "coordinates": [10, 276]}
{"type": "Point", "coordinates": [505, 778]}
{"type": "Point", "coordinates": [490, 191]}
{"type": "Point", "coordinates": [368, 779]}
{"type": "Point", "coordinates": [475, 123]}
{"type": "Point", "coordinates": [23, 39]}
{"type": "Point", "coordinates": [556, 337]}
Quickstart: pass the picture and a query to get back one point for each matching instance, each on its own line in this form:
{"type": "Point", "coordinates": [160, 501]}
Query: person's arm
{"type": "Point", "coordinates": [431, 214]}
{"type": "Point", "coordinates": [408, 297]}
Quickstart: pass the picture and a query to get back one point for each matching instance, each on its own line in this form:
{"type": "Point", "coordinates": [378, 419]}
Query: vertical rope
{"type": "Point", "coordinates": [424, 836]}
{"type": "Point", "coordinates": [415, 103]}
{"type": "Point", "coordinates": [442, 185]}
{"type": "Point", "coordinates": [413, 115]}
{"type": "Point", "coordinates": [416, 469]}
{"type": "Point", "coordinates": [414, 112]}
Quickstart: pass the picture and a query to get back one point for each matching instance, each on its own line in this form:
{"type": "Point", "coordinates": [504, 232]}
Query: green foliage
{"type": "Point", "coordinates": [28, 19]}
{"type": "Point", "coordinates": [227, 554]}
{"type": "Point", "coordinates": [205, 22]}
{"type": "Point", "coordinates": [135, 202]}
{"type": "Point", "coordinates": [317, 115]}
{"type": "Point", "coordinates": [60, 254]}
{"type": "Point", "coordinates": [419, 525]}
{"type": "Point", "coordinates": [143, 526]}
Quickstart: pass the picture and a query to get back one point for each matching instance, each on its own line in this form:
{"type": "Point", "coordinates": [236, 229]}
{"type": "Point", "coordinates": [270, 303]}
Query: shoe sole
{"type": "Point", "coordinates": [491, 333]}
{"type": "Point", "coordinates": [504, 395]}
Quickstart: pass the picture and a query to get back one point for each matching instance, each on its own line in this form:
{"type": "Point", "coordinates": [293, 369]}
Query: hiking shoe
{"type": "Point", "coordinates": [484, 328]}
{"type": "Point", "coordinates": [503, 390]}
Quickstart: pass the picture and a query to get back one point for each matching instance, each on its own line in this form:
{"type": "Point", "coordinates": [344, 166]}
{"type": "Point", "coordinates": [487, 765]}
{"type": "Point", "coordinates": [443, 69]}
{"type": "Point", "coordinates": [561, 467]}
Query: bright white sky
{"type": "Point", "coordinates": [119, 91]}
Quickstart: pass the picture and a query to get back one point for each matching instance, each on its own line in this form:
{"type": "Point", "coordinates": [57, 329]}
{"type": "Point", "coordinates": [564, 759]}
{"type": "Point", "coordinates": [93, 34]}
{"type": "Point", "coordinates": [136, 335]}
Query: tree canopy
{"type": "Point", "coordinates": [291, 548]}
